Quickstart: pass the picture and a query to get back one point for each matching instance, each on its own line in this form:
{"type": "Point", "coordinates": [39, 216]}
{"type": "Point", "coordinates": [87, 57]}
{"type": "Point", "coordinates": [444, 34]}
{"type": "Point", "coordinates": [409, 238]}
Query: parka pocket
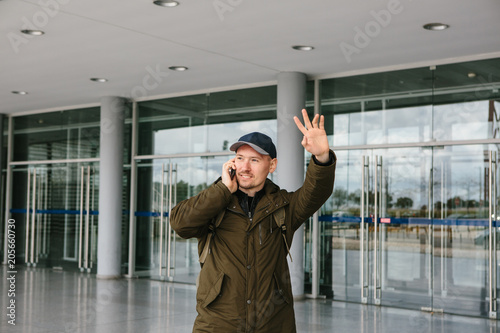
{"type": "Point", "coordinates": [211, 288]}
{"type": "Point", "coordinates": [279, 291]}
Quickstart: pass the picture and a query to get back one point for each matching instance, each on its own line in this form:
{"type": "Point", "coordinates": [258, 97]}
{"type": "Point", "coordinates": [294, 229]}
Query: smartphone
{"type": "Point", "coordinates": [232, 173]}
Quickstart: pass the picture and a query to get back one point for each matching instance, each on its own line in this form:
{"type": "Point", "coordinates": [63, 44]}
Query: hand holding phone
{"type": "Point", "coordinates": [228, 175]}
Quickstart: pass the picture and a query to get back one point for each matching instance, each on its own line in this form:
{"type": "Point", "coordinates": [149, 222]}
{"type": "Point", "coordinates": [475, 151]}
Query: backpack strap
{"type": "Point", "coordinates": [210, 235]}
{"type": "Point", "coordinates": [279, 218]}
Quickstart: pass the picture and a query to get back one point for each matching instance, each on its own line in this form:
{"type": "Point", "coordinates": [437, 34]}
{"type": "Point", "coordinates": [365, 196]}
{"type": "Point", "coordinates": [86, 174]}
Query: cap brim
{"type": "Point", "coordinates": [238, 144]}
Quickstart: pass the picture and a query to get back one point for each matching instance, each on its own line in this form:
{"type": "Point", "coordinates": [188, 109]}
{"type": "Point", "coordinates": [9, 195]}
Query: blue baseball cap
{"type": "Point", "coordinates": [260, 142]}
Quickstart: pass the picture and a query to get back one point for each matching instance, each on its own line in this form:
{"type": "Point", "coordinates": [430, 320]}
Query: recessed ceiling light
{"type": "Point", "coordinates": [302, 47]}
{"type": "Point", "coordinates": [18, 92]}
{"type": "Point", "coordinates": [166, 3]}
{"type": "Point", "coordinates": [178, 68]}
{"type": "Point", "coordinates": [32, 32]}
{"type": "Point", "coordinates": [471, 75]}
{"type": "Point", "coordinates": [99, 79]}
{"type": "Point", "coordinates": [436, 26]}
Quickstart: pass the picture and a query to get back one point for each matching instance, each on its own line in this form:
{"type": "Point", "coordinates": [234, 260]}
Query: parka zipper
{"type": "Point", "coordinates": [260, 227]}
{"type": "Point", "coordinates": [260, 233]}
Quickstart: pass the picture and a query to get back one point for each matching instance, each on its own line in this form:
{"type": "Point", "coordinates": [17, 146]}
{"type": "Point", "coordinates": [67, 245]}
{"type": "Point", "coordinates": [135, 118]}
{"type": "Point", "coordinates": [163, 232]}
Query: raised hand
{"type": "Point", "coordinates": [315, 140]}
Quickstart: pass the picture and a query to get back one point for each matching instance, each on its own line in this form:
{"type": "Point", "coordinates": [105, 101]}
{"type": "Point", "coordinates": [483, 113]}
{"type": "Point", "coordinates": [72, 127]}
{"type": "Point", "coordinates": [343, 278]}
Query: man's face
{"type": "Point", "coordinates": [252, 169]}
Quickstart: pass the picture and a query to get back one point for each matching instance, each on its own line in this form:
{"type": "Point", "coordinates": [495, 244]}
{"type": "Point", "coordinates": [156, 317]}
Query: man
{"type": "Point", "coordinates": [244, 283]}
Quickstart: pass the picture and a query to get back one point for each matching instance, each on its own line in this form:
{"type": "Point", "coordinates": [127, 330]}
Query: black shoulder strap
{"type": "Point", "coordinates": [279, 218]}
{"type": "Point", "coordinates": [210, 235]}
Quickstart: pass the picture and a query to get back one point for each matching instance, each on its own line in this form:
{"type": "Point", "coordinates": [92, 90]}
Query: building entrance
{"type": "Point", "coordinates": [55, 209]}
{"type": "Point", "coordinates": [411, 227]}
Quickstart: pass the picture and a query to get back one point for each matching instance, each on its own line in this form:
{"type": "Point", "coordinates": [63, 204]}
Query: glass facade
{"type": "Point", "coordinates": [57, 135]}
{"type": "Point", "coordinates": [55, 187]}
{"type": "Point", "coordinates": [412, 221]}
{"type": "Point", "coordinates": [205, 123]}
{"type": "Point", "coordinates": [408, 223]}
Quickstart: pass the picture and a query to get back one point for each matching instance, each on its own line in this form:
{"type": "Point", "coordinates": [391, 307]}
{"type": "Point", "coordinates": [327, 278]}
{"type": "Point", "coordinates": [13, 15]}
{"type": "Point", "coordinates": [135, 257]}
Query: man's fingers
{"type": "Point", "coordinates": [322, 122]}
{"type": "Point", "coordinates": [315, 121]}
{"type": "Point", "coordinates": [304, 141]}
{"type": "Point", "coordinates": [307, 122]}
{"type": "Point", "coordinates": [299, 125]}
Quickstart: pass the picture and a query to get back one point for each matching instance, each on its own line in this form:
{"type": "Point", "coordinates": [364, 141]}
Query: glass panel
{"type": "Point", "coordinates": [188, 177]}
{"type": "Point", "coordinates": [405, 227]}
{"type": "Point", "coordinates": [433, 259]}
{"type": "Point", "coordinates": [205, 123]}
{"type": "Point", "coordinates": [339, 224]}
{"type": "Point", "coordinates": [461, 232]}
{"type": "Point", "coordinates": [467, 120]}
{"type": "Point", "coordinates": [466, 100]}
{"type": "Point", "coordinates": [378, 108]}
{"type": "Point", "coordinates": [450, 102]}
{"type": "Point", "coordinates": [57, 135]}
{"type": "Point", "coordinates": [126, 179]}
{"type": "Point", "coordinates": [396, 252]}
{"type": "Point", "coordinates": [49, 204]}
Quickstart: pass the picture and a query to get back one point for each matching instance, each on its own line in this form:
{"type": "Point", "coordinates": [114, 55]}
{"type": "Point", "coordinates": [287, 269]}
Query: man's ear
{"type": "Point", "coordinates": [273, 165]}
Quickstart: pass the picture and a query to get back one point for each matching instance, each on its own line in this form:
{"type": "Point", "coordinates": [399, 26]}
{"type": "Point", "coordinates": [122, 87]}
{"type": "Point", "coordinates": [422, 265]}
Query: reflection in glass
{"type": "Point", "coordinates": [207, 138]}
{"type": "Point", "coordinates": [467, 121]}
{"type": "Point", "coordinates": [414, 105]}
{"type": "Point", "coordinates": [205, 123]}
{"type": "Point", "coordinates": [162, 183]}
{"type": "Point", "coordinates": [62, 135]}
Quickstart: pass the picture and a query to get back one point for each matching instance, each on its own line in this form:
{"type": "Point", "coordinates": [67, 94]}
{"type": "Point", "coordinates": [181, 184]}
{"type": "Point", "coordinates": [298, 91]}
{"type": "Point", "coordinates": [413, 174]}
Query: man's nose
{"type": "Point", "coordinates": [245, 165]}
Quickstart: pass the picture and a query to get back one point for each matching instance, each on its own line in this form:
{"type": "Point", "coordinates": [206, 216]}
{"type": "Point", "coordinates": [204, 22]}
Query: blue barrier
{"type": "Point", "coordinates": [412, 221]}
{"type": "Point", "coordinates": [77, 212]}
{"type": "Point", "coordinates": [322, 218]}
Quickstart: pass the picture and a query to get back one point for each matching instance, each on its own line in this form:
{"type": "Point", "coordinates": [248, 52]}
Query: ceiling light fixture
{"type": "Point", "coordinates": [302, 47]}
{"type": "Point", "coordinates": [166, 3]}
{"type": "Point", "coordinates": [178, 68]}
{"type": "Point", "coordinates": [99, 79]}
{"type": "Point", "coordinates": [436, 26]}
{"type": "Point", "coordinates": [471, 75]}
{"type": "Point", "coordinates": [19, 92]}
{"type": "Point", "coordinates": [32, 32]}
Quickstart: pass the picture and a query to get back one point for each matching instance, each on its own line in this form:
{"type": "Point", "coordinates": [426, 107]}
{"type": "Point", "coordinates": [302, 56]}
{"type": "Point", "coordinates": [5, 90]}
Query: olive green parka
{"type": "Point", "coordinates": [244, 284]}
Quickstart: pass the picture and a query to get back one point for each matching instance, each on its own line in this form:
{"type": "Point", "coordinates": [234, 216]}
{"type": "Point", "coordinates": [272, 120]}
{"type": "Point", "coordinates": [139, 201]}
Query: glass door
{"type": "Point", "coordinates": [87, 223]}
{"type": "Point", "coordinates": [379, 227]}
{"type": "Point", "coordinates": [465, 256]}
{"type": "Point", "coordinates": [55, 209]}
{"type": "Point", "coordinates": [162, 183]}
{"type": "Point", "coordinates": [36, 239]}
{"type": "Point", "coordinates": [414, 228]}
{"type": "Point", "coordinates": [396, 228]}
{"type": "Point", "coordinates": [156, 238]}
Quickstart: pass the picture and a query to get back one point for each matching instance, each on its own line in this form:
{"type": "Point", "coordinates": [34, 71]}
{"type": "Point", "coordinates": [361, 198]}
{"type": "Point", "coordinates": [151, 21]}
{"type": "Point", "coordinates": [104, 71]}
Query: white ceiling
{"type": "Point", "coordinates": [225, 43]}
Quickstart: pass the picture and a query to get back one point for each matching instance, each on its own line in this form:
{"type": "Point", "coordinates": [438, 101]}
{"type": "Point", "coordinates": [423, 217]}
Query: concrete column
{"type": "Point", "coordinates": [110, 187]}
{"type": "Point", "coordinates": [290, 171]}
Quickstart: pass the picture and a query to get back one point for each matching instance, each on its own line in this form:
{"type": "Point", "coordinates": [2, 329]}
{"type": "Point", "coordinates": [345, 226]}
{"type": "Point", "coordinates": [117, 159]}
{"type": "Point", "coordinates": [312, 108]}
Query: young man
{"type": "Point", "coordinates": [244, 283]}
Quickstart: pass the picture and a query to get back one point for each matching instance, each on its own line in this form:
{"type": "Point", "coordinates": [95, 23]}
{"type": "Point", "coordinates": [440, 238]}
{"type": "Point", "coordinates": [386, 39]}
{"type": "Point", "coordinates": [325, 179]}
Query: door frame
{"type": "Point", "coordinates": [28, 164]}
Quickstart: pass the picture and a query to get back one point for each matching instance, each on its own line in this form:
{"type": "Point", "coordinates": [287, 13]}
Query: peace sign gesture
{"type": "Point", "coordinates": [315, 140]}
